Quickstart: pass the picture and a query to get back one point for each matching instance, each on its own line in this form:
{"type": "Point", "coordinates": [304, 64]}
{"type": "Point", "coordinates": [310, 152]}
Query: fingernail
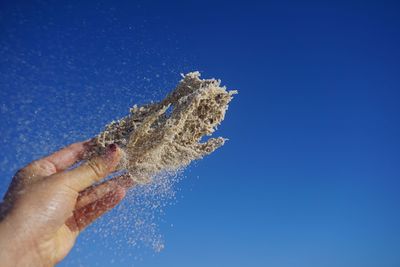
{"type": "Point", "coordinates": [112, 147]}
{"type": "Point", "coordinates": [110, 152]}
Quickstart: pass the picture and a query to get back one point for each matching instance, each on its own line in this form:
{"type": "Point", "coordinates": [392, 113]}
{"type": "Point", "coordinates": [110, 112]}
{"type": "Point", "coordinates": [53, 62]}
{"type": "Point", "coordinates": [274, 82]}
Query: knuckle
{"type": "Point", "coordinates": [26, 172]}
{"type": "Point", "coordinates": [97, 168]}
{"type": "Point", "coordinates": [37, 168]}
{"type": "Point", "coordinates": [46, 167]}
{"type": "Point", "coordinates": [21, 173]}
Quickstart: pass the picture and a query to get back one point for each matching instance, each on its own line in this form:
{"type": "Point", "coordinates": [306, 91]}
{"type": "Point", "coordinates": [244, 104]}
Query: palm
{"type": "Point", "coordinates": [57, 207]}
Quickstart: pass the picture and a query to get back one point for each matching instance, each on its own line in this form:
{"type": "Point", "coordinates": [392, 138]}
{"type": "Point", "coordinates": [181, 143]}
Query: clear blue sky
{"type": "Point", "coordinates": [310, 176]}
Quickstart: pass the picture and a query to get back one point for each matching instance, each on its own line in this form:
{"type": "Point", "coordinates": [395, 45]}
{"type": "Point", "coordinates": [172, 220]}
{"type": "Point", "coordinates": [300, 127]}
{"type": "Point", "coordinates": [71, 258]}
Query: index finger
{"type": "Point", "coordinates": [93, 170]}
{"type": "Point", "coordinates": [66, 157]}
{"type": "Point", "coordinates": [51, 164]}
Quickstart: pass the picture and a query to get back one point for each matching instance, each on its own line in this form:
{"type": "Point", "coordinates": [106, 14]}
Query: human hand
{"type": "Point", "coordinates": [47, 205]}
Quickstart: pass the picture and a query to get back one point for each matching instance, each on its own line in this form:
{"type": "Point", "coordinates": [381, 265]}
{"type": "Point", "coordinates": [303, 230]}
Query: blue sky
{"type": "Point", "coordinates": [310, 176]}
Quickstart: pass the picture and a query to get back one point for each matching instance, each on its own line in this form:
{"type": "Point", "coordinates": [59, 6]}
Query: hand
{"type": "Point", "coordinates": [47, 205]}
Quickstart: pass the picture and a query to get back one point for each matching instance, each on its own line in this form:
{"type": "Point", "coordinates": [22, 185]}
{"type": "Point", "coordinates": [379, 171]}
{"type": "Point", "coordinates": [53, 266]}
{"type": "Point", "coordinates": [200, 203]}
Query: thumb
{"type": "Point", "coordinates": [94, 169]}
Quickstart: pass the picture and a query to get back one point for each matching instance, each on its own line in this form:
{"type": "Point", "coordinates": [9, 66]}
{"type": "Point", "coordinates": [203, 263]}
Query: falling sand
{"type": "Point", "coordinates": [166, 136]}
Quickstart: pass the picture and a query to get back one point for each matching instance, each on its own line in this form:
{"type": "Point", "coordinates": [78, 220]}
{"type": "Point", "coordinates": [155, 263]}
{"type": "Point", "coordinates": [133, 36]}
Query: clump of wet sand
{"type": "Point", "coordinates": [166, 136]}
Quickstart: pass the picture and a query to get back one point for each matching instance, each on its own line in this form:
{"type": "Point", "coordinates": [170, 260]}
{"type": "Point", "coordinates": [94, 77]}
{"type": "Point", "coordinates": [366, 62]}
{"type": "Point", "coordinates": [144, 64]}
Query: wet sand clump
{"type": "Point", "coordinates": [166, 136]}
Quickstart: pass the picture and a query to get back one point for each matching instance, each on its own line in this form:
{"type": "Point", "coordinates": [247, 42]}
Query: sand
{"type": "Point", "coordinates": [166, 136]}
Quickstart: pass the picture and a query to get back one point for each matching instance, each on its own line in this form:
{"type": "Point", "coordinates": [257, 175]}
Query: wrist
{"type": "Point", "coordinates": [14, 249]}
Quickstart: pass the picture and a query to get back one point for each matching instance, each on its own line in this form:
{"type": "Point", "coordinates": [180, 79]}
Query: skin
{"type": "Point", "coordinates": [49, 203]}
